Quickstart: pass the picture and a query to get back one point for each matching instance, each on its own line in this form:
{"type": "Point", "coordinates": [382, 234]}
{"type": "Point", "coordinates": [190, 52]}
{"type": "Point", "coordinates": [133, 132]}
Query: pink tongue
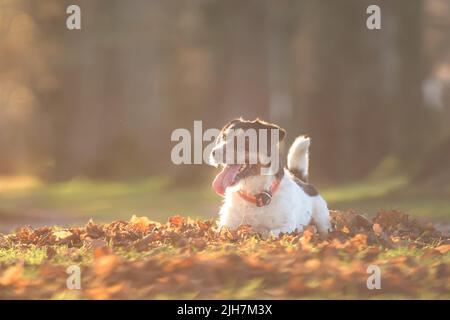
{"type": "Point", "coordinates": [225, 178]}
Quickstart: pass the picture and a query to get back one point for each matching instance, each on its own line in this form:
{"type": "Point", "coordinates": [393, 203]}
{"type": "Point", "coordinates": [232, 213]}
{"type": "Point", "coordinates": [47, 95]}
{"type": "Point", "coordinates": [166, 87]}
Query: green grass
{"type": "Point", "coordinates": [363, 190]}
{"type": "Point", "coordinates": [396, 193]}
{"type": "Point", "coordinates": [81, 199]}
{"type": "Point", "coordinates": [30, 256]}
{"type": "Point", "coordinates": [76, 201]}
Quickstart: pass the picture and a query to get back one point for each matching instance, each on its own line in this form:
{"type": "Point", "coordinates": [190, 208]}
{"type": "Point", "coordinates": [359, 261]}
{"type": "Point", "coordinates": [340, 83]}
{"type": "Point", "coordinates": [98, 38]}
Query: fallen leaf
{"type": "Point", "coordinates": [444, 248]}
{"type": "Point", "coordinates": [104, 265]}
{"type": "Point", "coordinates": [140, 223]}
{"type": "Point", "coordinates": [97, 243]}
{"type": "Point", "coordinates": [176, 220]}
{"type": "Point", "coordinates": [61, 235]}
{"type": "Point", "coordinates": [11, 275]}
{"type": "Point", "coordinates": [306, 237]}
{"type": "Point", "coordinates": [377, 229]}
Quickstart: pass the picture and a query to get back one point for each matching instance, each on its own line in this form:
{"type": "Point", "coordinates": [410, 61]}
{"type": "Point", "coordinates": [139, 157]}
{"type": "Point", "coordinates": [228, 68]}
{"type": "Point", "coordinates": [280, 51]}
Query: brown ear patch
{"type": "Point", "coordinates": [270, 126]}
{"type": "Point", "coordinates": [256, 124]}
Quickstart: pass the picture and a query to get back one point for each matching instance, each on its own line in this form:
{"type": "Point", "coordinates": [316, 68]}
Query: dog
{"type": "Point", "coordinates": [280, 200]}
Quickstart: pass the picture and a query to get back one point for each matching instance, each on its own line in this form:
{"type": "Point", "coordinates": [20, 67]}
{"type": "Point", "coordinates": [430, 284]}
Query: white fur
{"type": "Point", "coordinates": [298, 156]}
{"type": "Point", "coordinates": [290, 209]}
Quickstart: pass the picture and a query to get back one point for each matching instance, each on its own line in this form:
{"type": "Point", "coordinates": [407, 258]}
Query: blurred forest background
{"type": "Point", "coordinates": [86, 115]}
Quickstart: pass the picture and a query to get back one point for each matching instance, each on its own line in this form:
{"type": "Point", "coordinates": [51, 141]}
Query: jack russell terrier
{"type": "Point", "coordinates": [260, 192]}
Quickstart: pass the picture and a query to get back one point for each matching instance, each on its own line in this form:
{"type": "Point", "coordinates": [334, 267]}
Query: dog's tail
{"type": "Point", "coordinates": [298, 158]}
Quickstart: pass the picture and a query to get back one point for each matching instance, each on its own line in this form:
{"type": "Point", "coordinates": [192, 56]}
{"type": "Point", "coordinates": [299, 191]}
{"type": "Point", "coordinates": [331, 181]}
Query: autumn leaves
{"type": "Point", "coordinates": [186, 258]}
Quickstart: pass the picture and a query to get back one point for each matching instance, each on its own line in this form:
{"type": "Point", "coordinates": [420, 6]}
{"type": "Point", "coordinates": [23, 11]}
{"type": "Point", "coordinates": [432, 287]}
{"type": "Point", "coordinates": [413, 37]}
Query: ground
{"type": "Point", "coordinates": [27, 201]}
{"type": "Point", "coordinates": [188, 258]}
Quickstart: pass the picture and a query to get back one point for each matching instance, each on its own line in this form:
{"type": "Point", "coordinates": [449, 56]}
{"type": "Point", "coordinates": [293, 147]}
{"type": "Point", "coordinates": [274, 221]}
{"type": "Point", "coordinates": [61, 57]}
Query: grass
{"type": "Point", "coordinates": [396, 193]}
{"type": "Point", "coordinates": [81, 199]}
{"type": "Point", "coordinates": [364, 190]}
{"type": "Point", "coordinates": [25, 200]}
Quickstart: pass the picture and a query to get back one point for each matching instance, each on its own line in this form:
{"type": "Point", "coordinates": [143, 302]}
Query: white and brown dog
{"type": "Point", "coordinates": [263, 194]}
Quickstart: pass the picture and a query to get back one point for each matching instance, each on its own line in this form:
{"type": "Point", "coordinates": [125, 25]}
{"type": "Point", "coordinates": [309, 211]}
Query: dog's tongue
{"type": "Point", "coordinates": [225, 178]}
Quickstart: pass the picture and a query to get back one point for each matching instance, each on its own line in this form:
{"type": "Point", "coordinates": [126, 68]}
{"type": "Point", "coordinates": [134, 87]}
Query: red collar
{"type": "Point", "coordinates": [263, 198]}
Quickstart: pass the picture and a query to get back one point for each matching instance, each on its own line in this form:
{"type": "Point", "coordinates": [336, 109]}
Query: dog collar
{"type": "Point", "coordinates": [261, 199]}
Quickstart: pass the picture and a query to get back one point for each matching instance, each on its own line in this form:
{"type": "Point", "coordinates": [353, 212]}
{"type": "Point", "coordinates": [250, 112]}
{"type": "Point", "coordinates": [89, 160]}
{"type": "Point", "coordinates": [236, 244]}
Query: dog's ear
{"type": "Point", "coordinates": [267, 125]}
{"type": "Point", "coordinates": [229, 124]}
{"type": "Point", "coordinates": [282, 133]}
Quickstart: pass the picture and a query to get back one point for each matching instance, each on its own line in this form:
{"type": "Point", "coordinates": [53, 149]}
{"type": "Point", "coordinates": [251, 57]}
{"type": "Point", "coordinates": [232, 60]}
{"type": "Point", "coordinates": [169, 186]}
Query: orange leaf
{"type": "Point", "coordinates": [176, 220]}
{"type": "Point", "coordinates": [105, 292]}
{"type": "Point", "coordinates": [105, 265]}
{"type": "Point", "coordinates": [307, 236]}
{"type": "Point", "coordinates": [140, 223]}
{"type": "Point", "coordinates": [101, 251]}
{"type": "Point", "coordinates": [444, 248]}
{"type": "Point", "coordinates": [360, 240]}
{"type": "Point", "coordinates": [312, 264]}
{"type": "Point", "coordinates": [11, 275]}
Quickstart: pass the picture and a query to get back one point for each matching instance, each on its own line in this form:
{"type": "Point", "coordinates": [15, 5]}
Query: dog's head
{"type": "Point", "coordinates": [246, 149]}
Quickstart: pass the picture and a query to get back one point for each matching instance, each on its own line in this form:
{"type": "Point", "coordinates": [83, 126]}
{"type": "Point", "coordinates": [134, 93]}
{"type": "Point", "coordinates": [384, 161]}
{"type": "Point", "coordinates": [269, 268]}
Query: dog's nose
{"type": "Point", "coordinates": [213, 153]}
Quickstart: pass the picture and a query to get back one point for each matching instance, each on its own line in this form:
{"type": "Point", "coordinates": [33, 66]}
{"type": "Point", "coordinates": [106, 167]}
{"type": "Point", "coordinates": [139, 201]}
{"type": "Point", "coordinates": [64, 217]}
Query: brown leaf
{"type": "Point", "coordinates": [93, 230]}
{"type": "Point", "coordinates": [144, 243]}
{"type": "Point", "coordinates": [51, 252]}
{"type": "Point", "coordinates": [371, 254]}
{"type": "Point", "coordinates": [377, 229]}
{"type": "Point", "coordinates": [363, 222]}
{"type": "Point", "coordinates": [199, 243]}
{"type": "Point", "coordinates": [97, 244]}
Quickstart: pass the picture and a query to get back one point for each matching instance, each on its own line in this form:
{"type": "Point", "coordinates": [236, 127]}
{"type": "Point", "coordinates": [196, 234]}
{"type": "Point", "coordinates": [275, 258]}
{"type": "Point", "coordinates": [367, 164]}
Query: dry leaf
{"type": "Point", "coordinates": [306, 237]}
{"type": "Point", "coordinates": [140, 223]}
{"type": "Point", "coordinates": [12, 275]}
{"type": "Point", "coordinates": [176, 221]}
{"type": "Point", "coordinates": [444, 248]}
{"type": "Point", "coordinates": [61, 235]}
{"type": "Point", "coordinates": [104, 265]}
{"type": "Point", "coordinates": [377, 229]}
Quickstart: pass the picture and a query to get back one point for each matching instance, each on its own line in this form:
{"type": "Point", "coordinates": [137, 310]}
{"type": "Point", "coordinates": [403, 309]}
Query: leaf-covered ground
{"type": "Point", "coordinates": [187, 258]}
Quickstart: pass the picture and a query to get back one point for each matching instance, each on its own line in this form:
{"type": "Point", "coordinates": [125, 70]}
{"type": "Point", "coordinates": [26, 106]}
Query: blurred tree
{"type": "Point", "coordinates": [104, 100]}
